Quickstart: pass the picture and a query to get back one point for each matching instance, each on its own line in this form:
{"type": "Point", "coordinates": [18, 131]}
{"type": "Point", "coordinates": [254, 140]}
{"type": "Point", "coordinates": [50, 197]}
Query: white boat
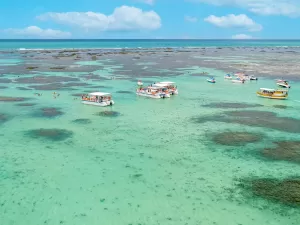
{"type": "Point", "coordinates": [253, 77]}
{"type": "Point", "coordinates": [98, 99]}
{"type": "Point", "coordinates": [153, 92]}
{"type": "Point", "coordinates": [283, 84]}
{"type": "Point", "coordinates": [228, 77]}
{"type": "Point", "coordinates": [211, 80]}
{"type": "Point", "coordinates": [238, 81]}
{"type": "Point", "coordinates": [172, 89]}
{"type": "Point", "coordinates": [140, 83]}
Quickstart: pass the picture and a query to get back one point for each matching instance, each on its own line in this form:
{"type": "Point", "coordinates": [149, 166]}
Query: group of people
{"type": "Point", "coordinates": [95, 98]}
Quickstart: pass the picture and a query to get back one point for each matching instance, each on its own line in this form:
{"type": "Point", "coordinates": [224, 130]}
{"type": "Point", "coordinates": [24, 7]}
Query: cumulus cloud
{"type": "Point", "coordinates": [36, 32]}
{"type": "Point", "coordinates": [236, 21]}
{"type": "Point", "coordinates": [241, 36]}
{"type": "Point", "coordinates": [123, 18]}
{"type": "Point", "coordinates": [190, 19]}
{"type": "Point", "coordinates": [149, 2]}
{"type": "Point", "coordinates": [289, 8]}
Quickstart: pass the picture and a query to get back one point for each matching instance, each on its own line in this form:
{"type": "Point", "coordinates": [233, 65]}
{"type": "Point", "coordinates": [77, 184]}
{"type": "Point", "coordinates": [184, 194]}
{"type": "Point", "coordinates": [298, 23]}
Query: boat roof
{"type": "Point", "coordinates": [99, 94]}
{"type": "Point", "coordinates": [160, 85]}
{"type": "Point", "coordinates": [167, 82]}
{"type": "Point", "coordinates": [267, 89]}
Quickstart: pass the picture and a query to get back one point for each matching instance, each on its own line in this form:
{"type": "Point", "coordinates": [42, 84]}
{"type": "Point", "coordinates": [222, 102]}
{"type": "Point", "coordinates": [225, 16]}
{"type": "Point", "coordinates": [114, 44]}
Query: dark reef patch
{"type": "Point", "coordinates": [26, 104]}
{"type": "Point", "coordinates": [286, 191]}
{"type": "Point", "coordinates": [236, 138]}
{"type": "Point", "coordinates": [47, 87]}
{"type": "Point", "coordinates": [50, 134]}
{"type": "Point", "coordinates": [3, 87]}
{"type": "Point", "coordinates": [3, 118]}
{"type": "Point", "coordinates": [228, 105]}
{"type": "Point", "coordinates": [280, 106]}
{"type": "Point", "coordinates": [285, 150]}
{"type": "Point", "coordinates": [108, 113]}
{"type": "Point", "coordinates": [125, 92]}
{"type": "Point", "coordinates": [49, 112]}
{"type": "Point", "coordinates": [12, 99]}
{"type": "Point", "coordinates": [5, 80]}
{"type": "Point", "coordinates": [255, 119]}
{"type": "Point", "coordinates": [77, 94]}
{"type": "Point", "coordinates": [24, 88]}
{"type": "Point", "coordinates": [45, 79]}
{"type": "Point", "coordinates": [82, 121]}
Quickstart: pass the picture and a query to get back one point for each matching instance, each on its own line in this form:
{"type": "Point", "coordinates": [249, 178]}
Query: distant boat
{"type": "Point", "coordinates": [228, 76]}
{"type": "Point", "coordinates": [211, 80]}
{"type": "Point", "coordinates": [272, 93]}
{"type": "Point", "coordinates": [239, 81]}
{"type": "Point", "coordinates": [253, 77]}
{"type": "Point", "coordinates": [284, 84]}
{"type": "Point", "coordinates": [140, 83]}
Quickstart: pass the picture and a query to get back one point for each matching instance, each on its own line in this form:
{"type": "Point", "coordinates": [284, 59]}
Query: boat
{"type": "Point", "coordinates": [239, 81]}
{"type": "Point", "coordinates": [253, 77]}
{"type": "Point", "coordinates": [284, 84]}
{"type": "Point", "coordinates": [211, 80]}
{"type": "Point", "coordinates": [153, 92]}
{"type": "Point", "coordinates": [228, 76]}
{"type": "Point", "coordinates": [140, 83]}
{"type": "Point", "coordinates": [272, 93]}
{"type": "Point", "coordinates": [170, 85]}
{"type": "Point", "coordinates": [98, 99]}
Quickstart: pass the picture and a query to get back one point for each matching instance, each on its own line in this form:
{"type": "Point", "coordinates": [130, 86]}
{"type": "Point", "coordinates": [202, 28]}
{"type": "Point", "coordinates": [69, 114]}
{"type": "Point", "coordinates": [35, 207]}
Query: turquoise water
{"type": "Point", "coordinates": [151, 43]}
{"type": "Point", "coordinates": [152, 164]}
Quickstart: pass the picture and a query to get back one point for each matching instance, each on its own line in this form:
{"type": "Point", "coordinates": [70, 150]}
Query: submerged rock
{"type": "Point", "coordinates": [236, 138]}
{"type": "Point", "coordinates": [82, 121]}
{"type": "Point", "coordinates": [108, 113]}
{"type": "Point", "coordinates": [3, 118]}
{"type": "Point", "coordinates": [256, 119]}
{"type": "Point", "coordinates": [228, 105]}
{"type": "Point", "coordinates": [3, 87]}
{"type": "Point", "coordinates": [26, 104]}
{"type": "Point", "coordinates": [280, 106]}
{"type": "Point", "coordinates": [24, 88]}
{"type": "Point", "coordinates": [285, 191]}
{"type": "Point", "coordinates": [49, 112]}
{"type": "Point", "coordinates": [285, 150]}
{"type": "Point", "coordinates": [12, 99]}
{"type": "Point", "coordinates": [125, 92]}
{"type": "Point", "coordinates": [50, 134]}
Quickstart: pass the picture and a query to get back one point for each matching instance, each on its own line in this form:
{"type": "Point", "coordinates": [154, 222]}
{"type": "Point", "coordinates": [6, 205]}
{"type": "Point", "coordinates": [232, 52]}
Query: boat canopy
{"type": "Point", "coordinates": [99, 94]}
{"type": "Point", "coordinates": [167, 82]}
{"type": "Point", "coordinates": [160, 85]}
{"type": "Point", "coordinates": [267, 89]}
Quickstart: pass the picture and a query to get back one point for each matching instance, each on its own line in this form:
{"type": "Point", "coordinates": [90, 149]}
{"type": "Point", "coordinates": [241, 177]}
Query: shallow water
{"type": "Point", "coordinates": [149, 164]}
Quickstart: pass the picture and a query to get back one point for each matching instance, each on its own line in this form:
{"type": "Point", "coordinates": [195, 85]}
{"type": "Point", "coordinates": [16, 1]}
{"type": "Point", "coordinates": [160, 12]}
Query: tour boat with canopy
{"type": "Point", "coordinates": [153, 92]}
{"type": "Point", "coordinates": [172, 89]}
{"type": "Point", "coordinates": [98, 99]}
{"type": "Point", "coordinates": [272, 93]}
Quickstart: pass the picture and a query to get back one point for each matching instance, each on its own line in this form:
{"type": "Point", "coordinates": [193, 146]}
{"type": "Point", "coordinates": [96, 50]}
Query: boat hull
{"type": "Point", "coordinates": [211, 81]}
{"type": "Point", "coordinates": [238, 82]}
{"type": "Point", "coordinates": [156, 96]}
{"type": "Point", "coordinates": [283, 85]}
{"type": "Point", "coordinates": [272, 97]}
{"type": "Point", "coordinates": [101, 104]}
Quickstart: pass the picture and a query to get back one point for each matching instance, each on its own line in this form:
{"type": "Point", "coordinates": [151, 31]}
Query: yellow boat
{"type": "Point", "coordinates": [272, 93]}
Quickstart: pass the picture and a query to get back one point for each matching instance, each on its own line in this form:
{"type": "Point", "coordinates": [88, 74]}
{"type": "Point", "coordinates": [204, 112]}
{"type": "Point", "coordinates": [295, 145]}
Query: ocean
{"type": "Point", "coordinates": [215, 154]}
{"type": "Point", "coordinates": [137, 43]}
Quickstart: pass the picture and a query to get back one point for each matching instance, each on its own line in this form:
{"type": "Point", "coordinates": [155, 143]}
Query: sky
{"type": "Point", "coordinates": [153, 19]}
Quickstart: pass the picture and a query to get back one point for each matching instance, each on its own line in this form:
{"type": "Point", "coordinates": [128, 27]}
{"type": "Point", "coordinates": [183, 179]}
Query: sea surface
{"type": "Point", "coordinates": [145, 161]}
{"type": "Point", "coordinates": [9, 44]}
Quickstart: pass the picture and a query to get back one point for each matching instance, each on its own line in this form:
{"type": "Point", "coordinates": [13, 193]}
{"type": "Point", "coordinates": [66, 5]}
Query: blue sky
{"type": "Point", "coordinates": [269, 19]}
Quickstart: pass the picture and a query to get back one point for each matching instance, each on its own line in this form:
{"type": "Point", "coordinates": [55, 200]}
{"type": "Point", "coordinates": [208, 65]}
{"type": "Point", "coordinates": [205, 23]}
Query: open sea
{"type": "Point", "coordinates": [137, 43]}
{"type": "Point", "coordinates": [215, 154]}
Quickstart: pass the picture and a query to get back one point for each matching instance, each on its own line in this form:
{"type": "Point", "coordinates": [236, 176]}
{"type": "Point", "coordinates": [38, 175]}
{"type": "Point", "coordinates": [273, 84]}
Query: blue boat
{"type": "Point", "coordinates": [211, 80]}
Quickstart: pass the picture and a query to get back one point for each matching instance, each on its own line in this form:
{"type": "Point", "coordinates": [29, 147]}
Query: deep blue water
{"type": "Point", "coordinates": [6, 44]}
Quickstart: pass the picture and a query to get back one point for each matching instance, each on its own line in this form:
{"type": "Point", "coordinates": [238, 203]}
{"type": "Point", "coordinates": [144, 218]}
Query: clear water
{"type": "Point", "coordinates": [151, 165]}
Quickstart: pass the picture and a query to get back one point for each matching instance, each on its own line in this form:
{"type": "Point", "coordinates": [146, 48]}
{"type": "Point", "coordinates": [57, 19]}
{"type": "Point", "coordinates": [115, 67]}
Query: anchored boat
{"type": "Point", "coordinates": [172, 89]}
{"type": "Point", "coordinates": [284, 84]}
{"type": "Point", "coordinates": [98, 99]}
{"type": "Point", "coordinates": [153, 92]}
{"type": "Point", "coordinates": [211, 80]}
{"type": "Point", "coordinates": [238, 81]}
{"type": "Point", "coordinates": [272, 93]}
{"type": "Point", "coordinates": [228, 76]}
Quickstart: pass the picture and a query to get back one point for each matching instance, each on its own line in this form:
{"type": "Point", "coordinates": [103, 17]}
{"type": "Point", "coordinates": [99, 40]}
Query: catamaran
{"type": "Point", "coordinates": [153, 92]}
{"type": "Point", "coordinates": [98, 99]}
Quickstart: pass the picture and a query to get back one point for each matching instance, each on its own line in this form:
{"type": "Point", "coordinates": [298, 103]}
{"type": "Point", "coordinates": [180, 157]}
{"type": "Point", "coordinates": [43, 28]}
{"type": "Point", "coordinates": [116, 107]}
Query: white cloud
{"type": "Point", "coordinates": [191, 19]}
{"type": "Point", "coordinates": [241, 36]}
{"type": "Point", "coordinates": [237, 21]}
{"type": "Point", "coordinates": [36, 32]}
{"type": "Point", "coordinates": [289, 8]}
{"type": "Point", "coordinates": [123, 18]}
